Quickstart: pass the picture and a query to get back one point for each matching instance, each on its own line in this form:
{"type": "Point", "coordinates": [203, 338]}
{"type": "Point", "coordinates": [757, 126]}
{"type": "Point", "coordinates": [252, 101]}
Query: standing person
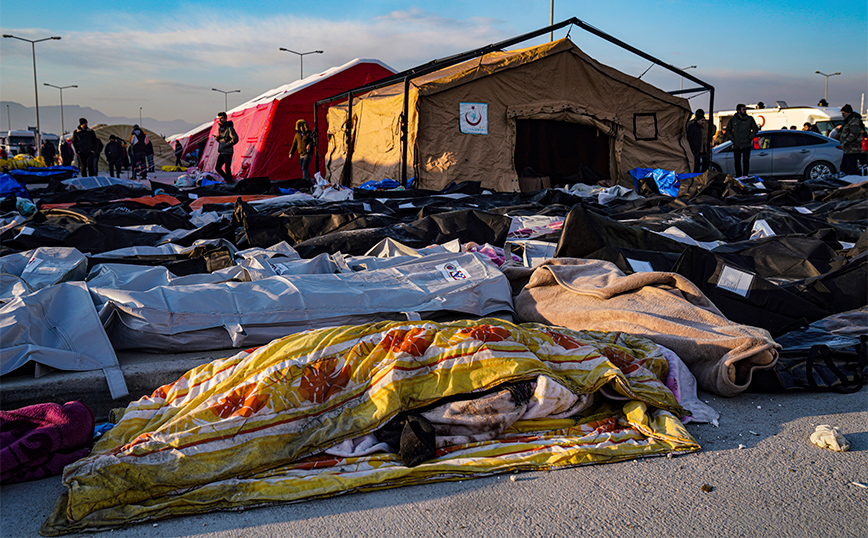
{"type": "Point", "coordinates": [139, 147]}
{"type": "Point", "coordinates": [227, 138]}
{"type": "Point", "coordinates": [85, 144]}
{"type": "Point", "coordinates": [303, 143]}
{"type": "Point", "coordinates": [66, 153]}
{"type": "Point", "coordinates": [741, 129]}
{"type": "Point", "coordinates": [179, 151]}
{"type": "Point", "coordinates": [48, 152]}
{"type": "Point", "coordinates": [851, 140]}
{"type": "Point", "coordinates": [149, 155]}
{"type": "Point", "coordinates": [114, 154]}
{"type": "Point", "coordinates": [697, 138]}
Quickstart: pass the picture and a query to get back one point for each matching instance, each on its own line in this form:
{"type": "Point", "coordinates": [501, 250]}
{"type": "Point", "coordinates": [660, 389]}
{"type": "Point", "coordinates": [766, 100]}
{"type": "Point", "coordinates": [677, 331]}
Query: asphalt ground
{"type": "Point", "coordinates": [762, 475]}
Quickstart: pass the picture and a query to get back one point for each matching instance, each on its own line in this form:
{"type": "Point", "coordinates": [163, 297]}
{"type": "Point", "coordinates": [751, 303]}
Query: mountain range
{"type": "Point", "coordinates": [15, 116]}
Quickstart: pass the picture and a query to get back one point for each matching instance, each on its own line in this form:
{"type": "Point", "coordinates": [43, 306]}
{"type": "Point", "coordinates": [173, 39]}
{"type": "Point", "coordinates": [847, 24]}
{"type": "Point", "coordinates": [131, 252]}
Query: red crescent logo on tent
{"type": "Point", "coordinates": [762, 121]}
{"type": "Point", "coordinates": [473, 113]}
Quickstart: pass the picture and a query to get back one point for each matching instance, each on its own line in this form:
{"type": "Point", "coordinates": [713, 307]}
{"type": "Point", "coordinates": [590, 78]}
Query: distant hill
{"type": "Point", "coordinates": [22, 117]}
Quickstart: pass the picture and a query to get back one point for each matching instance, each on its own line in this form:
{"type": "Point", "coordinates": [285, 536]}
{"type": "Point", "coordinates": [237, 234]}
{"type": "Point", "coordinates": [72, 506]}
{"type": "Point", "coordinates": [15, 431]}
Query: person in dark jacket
{"type": "Point", "coordinates": [86, 146]}
{"type": "Point", "coordinates": [48, 152]}
{"type": "Point", "coordinates": [138, 149]}
{"type": "Point", "coordinates": [697, 133]}
{"type": "Point", "coordinates": [227, 138]}
{"type": "Point", "coordinates": [741, 129]}
{"type": "Point", "coordinates": [852, 131]}
{"type": "Point", "coordinates": [66, 153]}
{"type": "Point", "coordinates": [179, 151]}
{"type": "Point", "coordinates": [114, 154]}
{"type": "Point", "coordinates": [303, 144]}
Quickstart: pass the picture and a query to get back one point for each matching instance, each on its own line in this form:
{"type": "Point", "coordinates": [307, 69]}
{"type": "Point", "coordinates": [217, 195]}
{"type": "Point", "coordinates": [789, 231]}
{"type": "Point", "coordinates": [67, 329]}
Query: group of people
{"type": "Point", "coordinates": [303, 144]}
{"type": "Point", "coordinates": [87, 146]}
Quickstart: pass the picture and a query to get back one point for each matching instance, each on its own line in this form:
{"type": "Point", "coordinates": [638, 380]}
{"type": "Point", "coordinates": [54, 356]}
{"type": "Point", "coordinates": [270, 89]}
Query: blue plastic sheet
{"type": "Point", "coordinates": [382, 184]}
{"type": "Point", "coordinates": [8, 185]}
{"type": "Point", "coordinates": [668, 182]}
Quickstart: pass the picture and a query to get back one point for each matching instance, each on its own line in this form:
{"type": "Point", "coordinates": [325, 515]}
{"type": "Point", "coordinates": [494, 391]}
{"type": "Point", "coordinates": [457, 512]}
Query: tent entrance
{"type": "Point", "coordinates": [562, 150]}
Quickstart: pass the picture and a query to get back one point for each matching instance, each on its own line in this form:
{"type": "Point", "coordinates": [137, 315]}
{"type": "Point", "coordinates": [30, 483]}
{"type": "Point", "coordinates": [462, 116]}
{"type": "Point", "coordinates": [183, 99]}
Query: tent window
{"type": "Point", "coordinates": [645, 126]}
{"type": "Point", "coordinates": [564, 151]}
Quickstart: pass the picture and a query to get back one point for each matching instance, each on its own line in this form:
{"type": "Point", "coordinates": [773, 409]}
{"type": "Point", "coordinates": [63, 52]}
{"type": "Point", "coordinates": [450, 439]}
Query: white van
{"type": "Point", "coordinates": [16, 142]}
{"type": "Point", "coordinates": [782, 117]}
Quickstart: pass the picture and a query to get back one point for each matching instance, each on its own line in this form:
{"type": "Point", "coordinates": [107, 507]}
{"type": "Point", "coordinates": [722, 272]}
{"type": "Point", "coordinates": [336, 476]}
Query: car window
{"type": "Point", "coordinates": [793, 139]}
{"type": "Point", "coordinates": [764, 142]}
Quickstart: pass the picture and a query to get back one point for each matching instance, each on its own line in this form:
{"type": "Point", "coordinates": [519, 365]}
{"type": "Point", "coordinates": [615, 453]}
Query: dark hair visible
{"type": "Point", "coordinates": [221, 114]}
{"type": "Point", "coordinates": [82, 120]}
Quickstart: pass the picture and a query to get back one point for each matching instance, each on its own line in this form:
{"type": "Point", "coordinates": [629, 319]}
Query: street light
{"type": "Point", "coordinates": [225, 98]}
{"type": "Point", "coordinates": [33, 43]}
{"type": "Point", "coordinates": [685, 69]}
{"type": "Point", "coordinates": [140, 116]}
{"type": "Point", "coordinates": [826, 98]}
{"type": "Point", "coordinates": [301, 56]}
{"type": "Point", "coordinates": [61, 88]}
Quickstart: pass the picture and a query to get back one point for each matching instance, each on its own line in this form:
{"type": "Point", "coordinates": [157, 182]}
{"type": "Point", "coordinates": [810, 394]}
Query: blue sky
{"type": "Point", "coordinates": [166, 55]}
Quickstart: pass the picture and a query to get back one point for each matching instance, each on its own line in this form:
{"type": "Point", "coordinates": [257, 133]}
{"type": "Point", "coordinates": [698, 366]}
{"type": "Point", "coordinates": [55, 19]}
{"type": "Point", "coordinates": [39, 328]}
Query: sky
{"type": "Point", "coordinates": [166, 55]}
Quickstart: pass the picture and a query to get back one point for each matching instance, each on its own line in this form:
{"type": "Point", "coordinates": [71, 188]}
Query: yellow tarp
{"type": "Point", "coordinates": [242, 431]}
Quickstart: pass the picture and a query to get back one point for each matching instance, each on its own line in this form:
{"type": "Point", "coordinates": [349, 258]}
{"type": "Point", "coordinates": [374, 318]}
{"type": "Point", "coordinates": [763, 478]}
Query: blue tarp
{"type": "Point", "coordinates": [382, 184]}
{"type": "Point", "coordinates": [8, 186]}
{"type": "Point", "coordinates": [55, 172]}
{"type": "Point", "coordinates": [668, 182]}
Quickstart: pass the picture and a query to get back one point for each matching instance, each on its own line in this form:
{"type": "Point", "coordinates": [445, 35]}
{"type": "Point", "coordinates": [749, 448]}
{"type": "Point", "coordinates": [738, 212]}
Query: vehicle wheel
{"type": "Point", "coordinates": [714, 167]}
{"type": "Point", "coordinates": [819, 169]}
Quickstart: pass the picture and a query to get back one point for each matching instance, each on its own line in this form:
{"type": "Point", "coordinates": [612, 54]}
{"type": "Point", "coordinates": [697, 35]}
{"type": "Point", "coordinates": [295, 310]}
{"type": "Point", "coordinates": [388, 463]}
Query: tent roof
{"type": "Point", "coordinates": [494, 62]}
{"type": "Point", "coordinates": [281, 92]}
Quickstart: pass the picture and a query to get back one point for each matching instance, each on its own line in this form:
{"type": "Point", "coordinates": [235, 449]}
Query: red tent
{"type": "Point", "coordinates": [266, 124]}
{"type": "Point", "coordinates": [191, 139]}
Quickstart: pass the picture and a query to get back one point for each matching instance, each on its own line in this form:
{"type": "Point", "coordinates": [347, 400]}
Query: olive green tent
{"type": "Point", "coordinates": [549, 110]}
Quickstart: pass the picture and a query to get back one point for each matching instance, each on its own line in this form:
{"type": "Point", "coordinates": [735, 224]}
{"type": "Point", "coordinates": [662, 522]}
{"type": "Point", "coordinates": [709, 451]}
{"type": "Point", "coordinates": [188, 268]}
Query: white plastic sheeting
{"type": "Point", "coordinates": [232, 314]}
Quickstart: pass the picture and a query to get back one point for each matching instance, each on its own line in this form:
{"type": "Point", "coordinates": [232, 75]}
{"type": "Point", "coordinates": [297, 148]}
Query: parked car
{"type": "Point", "coordinates": [785, 153]}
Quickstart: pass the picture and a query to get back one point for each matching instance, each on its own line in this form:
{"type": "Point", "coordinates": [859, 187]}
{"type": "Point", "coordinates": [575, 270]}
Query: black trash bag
{"type": "Point", "coordinates": [839, 290]}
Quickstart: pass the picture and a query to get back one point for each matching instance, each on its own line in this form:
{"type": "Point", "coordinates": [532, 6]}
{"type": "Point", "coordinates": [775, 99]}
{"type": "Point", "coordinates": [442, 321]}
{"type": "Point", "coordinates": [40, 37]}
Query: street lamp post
{"type": "Point", "coordinates": [301, 56]}
{"type": "Point", "coordinates": [140, 116]}
{"type": "Point", "coordinates": [225, 97]}
{"type": "Point", "coordinates": [826, 97]}
{"type": "Point", "coordinates": [685, 69]}
{"type": "Point", "coordinates": [61, 88]}
{"type": "Point", "coordinates": [33, 43]}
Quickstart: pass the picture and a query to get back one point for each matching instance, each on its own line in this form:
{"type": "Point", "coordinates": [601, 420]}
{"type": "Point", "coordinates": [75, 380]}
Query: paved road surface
{"type": "Point", "coordinates": [778, 485]}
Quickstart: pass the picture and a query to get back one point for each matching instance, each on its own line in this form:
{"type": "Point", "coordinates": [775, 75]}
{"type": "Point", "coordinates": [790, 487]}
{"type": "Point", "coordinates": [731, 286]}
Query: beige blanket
{"type": "Point", "coordinates": [663, 307]}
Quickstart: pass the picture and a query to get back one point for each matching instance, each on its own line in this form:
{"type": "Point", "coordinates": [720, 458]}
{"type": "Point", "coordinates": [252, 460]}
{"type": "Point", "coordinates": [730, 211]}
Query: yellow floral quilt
{"type": "Point", "coordinates": [251, 429]}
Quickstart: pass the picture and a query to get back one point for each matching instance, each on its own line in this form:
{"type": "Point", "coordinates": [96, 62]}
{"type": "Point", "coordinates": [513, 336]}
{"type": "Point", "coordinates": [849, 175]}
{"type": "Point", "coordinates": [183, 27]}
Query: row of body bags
{"type": "Point", "coordinates": [55, 312]}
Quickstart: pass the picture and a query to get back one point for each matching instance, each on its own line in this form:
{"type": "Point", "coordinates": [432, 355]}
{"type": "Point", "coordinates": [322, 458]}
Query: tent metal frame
{"type": "Point", "coordinates": [409, 74]}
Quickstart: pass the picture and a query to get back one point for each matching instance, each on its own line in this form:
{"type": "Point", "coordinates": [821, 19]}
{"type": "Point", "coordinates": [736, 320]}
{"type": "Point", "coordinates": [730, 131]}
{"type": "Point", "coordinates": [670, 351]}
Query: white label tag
{"type": "Point", "coordinates": [803, 210]}
{"type": "Point", "coordinates": [639, 266]}
{"type": "Point", "coordinates": [32, 264]}
{"type": "Point", "coordinates": [761, 229]}
{"type": "Point", "coordinates": [366, 207]}
{"type": "Point", "coordinates": [736, 281]}
{"type": "Point", "coordinates": [192, 196]}
{"type": "Point", "coordinates": [452, 271]}
{"type": "Point", "coordinates": [760, 185]}
{"type": "Point", "coordinates": [25, 231]}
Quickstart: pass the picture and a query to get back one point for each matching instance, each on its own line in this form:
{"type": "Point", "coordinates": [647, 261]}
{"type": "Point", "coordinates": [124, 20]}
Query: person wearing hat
{"type": "Point", "coordinates": [86, 146]}
{"type": "Point", "coordinates": [851, 140]}
{"type": "Point", "coordinates": [114, 154]}
{"type": "Point", "coordinates": [741, 129]}
{"type": "Point", "coordinates": [697, 138]}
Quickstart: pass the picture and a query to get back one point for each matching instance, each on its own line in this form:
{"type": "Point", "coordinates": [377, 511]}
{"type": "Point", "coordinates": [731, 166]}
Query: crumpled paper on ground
{"type": "Point", "coordinates": [826, 436]}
